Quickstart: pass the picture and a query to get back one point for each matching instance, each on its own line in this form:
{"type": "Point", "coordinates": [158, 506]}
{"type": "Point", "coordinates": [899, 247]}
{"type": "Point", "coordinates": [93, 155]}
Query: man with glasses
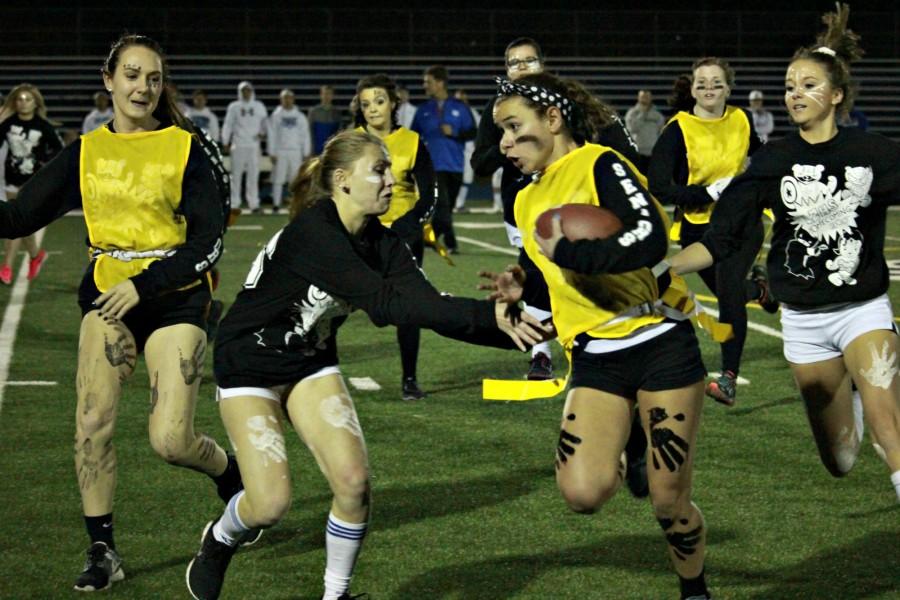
{"type": "Point", "coordinates": [523, 57]}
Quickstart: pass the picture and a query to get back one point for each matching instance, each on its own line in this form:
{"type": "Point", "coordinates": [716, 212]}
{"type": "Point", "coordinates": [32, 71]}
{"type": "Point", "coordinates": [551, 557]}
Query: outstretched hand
{"type": "Point", "coordinates": [548, 244]}
{"type": "Point", "coordinates": [118, 300]}
{"type": "Point", "coordinates": [506, 286]}
{"type": "Point", "coordinates": [522, 328]}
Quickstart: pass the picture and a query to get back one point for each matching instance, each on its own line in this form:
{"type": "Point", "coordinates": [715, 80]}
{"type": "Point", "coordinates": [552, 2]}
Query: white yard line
{"type": "Point", "coordinates": [495, 248]}
{"type": "Point", "coordinates": [11, 318]}
{"type": "Point", "coordinates": [474, 225]}
{"type": "Point", "coordinates": [31, 383]}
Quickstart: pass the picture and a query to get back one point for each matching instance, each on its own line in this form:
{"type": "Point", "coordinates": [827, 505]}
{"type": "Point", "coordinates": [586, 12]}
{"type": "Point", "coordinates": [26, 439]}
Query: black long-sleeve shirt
{"type": "Point", "coordinates": [668, 173]}
{"type": "Point", "coordinates": [830, 203]}
{"type": "Point", "coordinates": [30, 144]}
{"type": "Point", "coordinates": [55, 190]}
{"type": "Point", "coordinates": [306, 281]}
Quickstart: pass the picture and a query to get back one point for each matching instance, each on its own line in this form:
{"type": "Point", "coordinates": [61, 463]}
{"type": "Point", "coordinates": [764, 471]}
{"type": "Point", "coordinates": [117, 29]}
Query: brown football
{"type": "Point", "coordinates": [580, 222]}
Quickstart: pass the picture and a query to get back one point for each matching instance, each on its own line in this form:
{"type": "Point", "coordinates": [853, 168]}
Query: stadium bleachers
{"type": "Point", "coordinates": [68, 82]}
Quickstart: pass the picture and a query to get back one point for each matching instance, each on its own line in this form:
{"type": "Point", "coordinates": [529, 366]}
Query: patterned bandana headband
{"type": "Point", "coordinates": [538, 94]}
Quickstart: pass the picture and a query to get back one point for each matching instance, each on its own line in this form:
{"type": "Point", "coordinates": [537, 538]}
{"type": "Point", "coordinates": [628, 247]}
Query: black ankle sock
{"type": "Point", "coordinates": [694, 587]}
{"type": "Point", "coordinates": [229, 482]}
{"type": "Point", "coordinates": [100, 529]}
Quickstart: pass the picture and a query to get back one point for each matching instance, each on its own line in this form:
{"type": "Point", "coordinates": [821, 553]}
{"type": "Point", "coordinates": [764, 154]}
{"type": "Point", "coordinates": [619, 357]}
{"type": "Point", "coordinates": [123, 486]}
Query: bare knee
{"type": "Point", "coordinates": [586, 496]}
{"type": "Point", "coordinates": [94, 418]}
{"type": "Point", "coordinates": [350, 485]}
{"type": "Point", "coordinates": [669, 500]}
{"type": "Point", "coordinates": [268, 510]}
{"type": "Point", "coordinates": [171, 444]}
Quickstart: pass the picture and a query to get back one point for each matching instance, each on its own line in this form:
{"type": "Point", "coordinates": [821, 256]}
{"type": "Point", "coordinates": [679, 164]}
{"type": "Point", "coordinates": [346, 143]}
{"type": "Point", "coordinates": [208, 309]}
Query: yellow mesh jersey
{"type": "Point", "coordinates": [716, 148]}
{"type": "Point", "coordinates": [130, 189]}
{"type": "Point", "coordinates": [402, 145]}
{"type": "Point", "coordinates": [583, 303]}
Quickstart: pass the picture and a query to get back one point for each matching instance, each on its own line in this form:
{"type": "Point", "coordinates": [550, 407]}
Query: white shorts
{"type": "Point", "coordinates": [821, 334]}
{"type": "Point", "coordinates": [275, 393]}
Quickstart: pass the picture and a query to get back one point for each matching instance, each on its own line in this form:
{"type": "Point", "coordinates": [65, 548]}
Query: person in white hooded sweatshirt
{"type": "Point", "coordinates": [245, 126]}
{"type": "Point", "coordinates": [288, 144]}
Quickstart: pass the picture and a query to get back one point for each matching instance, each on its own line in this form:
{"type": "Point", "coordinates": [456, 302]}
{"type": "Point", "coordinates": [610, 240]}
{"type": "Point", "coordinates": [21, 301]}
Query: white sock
{"type": "Point", "coordinates": [277, 191]}
{"type": "Point", "coordinates": [342, 544]}
{"type": "Point", "coordinates": [229, 529]}
{"type": "Point", "coordinates": [541, 348]}
{"type": "Point", "coordinates": [858, 416]}
{"type": "Point", "coordinates": [462, 195]}
{"type": "Point", "coordinates": [895, 479]}
{"type": "Point", "coordinates": [498, 201]}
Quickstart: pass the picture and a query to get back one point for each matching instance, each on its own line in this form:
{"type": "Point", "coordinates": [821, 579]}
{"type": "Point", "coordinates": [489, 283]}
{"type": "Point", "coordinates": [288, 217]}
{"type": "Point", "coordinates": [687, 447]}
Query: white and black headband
{"type": "Point", "coordinates": [536, 93]}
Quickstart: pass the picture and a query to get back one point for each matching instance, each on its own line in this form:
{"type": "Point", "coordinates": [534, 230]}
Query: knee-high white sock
{"type": "Point", "coordinates": [895, 479]}
{"type": "Point", "coordinates": [229, 529]}
{"type": "Point", "coordinates": [343, 541]}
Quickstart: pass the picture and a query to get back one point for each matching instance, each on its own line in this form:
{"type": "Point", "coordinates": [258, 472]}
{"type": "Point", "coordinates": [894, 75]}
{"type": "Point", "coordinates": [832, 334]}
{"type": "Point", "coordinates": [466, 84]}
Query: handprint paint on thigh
{"type": "Point", "coordinates": [668, 446]}
{"type": "Point", "coordinates": [266, 439]}
{"type": "Point", "coordinates": [340, 414]}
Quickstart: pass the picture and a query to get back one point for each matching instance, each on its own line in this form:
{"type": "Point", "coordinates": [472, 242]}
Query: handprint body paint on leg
{"type": "Point", "coordinates": [668, 446]}
{"type": "Point", "coordinates": [567, 443]}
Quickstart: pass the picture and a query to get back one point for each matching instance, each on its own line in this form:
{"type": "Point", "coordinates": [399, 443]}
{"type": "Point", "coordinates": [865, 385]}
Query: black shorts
{"type": "Point", "coordinates": [170, 308]}
{"type": "Point", "coordinates": [669, 361]}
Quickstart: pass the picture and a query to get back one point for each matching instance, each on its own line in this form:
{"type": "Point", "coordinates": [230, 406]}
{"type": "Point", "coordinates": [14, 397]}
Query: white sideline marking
{"type": "Point", "coordinates": [364, 383]}
{"type": "Point", "coordinates": [750, 324]}
{"type": "Point", "coordinates": [473, 225]}
{"type": "Point", "coordinates": [740, 380]}
{"type": "Point", "coordinates": [246, 227]}
{"type": "Point", "coordinates": [493, 247]}
{"type": "Point", "coordinates": [44, 383]}
{"type": "Point", "coordinates": [11, 317]}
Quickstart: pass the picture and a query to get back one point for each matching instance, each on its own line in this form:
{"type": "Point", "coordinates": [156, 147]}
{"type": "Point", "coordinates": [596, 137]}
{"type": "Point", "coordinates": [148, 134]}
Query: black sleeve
{"type": "Point", "coordinates": [52, 192]}
{"type": "Point", "coordinates": [409, 226]}
{"type": "Point", "coordinates": [51, 142]}
{"type": "Point", "coordinates": [737, 214]}
{"type": "Point", "coordinates": [616, 136]}
{"type": "Point", "coordinates": [886, 183]}
{"type": "Point", "coordinates": [487, 157]}
{"type": "Point", "coordinates": [755, 142]}
{"type": "Point", "coordinates": [409, 278]}
{"type": "Point", "coordinates": [668, 172]}
{"type": "Point", "coordinates": [643, 240]}
{"type": "Point", "coordinates": [201, 207]}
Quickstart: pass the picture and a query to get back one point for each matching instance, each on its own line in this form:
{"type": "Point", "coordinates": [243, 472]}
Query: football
{"type": "Point", "coordinates": [580, 222]}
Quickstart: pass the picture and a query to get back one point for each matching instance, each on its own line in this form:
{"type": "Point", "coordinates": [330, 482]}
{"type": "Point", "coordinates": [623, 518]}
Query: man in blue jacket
{"type": "Point", "coordinates": [444, 123]}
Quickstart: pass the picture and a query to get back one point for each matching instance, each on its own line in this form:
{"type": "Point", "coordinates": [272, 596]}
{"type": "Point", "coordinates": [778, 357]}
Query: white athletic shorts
{"type": "Point", "coordinates": [275, 393]}
{"type": "Point", "coordinates": [824, 333]}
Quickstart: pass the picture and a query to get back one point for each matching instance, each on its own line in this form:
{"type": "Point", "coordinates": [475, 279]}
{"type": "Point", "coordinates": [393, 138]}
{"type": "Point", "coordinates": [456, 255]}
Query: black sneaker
{"type": "Point", "coordinates": [636, 460]}
{"type": "Point", "coordinates": [206, 572]}
{"type": "Point", "coordinates": [541, 368]}
{"type": "Point", "coordinates": [759, 276]}
{"type": "Point", "coordinates": [411, 389]}
{"type": "Point", "coordinates": [347, 596]}
{"type": "Point", "coordinates": [102, 567]}
{"type": "Point", "coordinates": [723, 389]}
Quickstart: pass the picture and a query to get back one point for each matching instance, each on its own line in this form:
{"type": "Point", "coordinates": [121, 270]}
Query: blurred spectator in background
{"type": "Point", "coordinates": [406, 111]}
{"type": "Point", "coordinates": [644, 123]}
{"type": "Point", "coordinates": [288, 144]}
{"type": "Point", "coordinates": [855, 118]}
{"type": "Point", "coordinates": [101, 114]}
{"type": "Point", "coordinates": [468, 173]}
{"type": "Point", "coordinates": [243, 129]}
{"type": "Point", "coordinates": [202, 116]}
{"type": "Point", "coordinates": [324, 119]}
{"type": "Point", "coordinates": [763, 120]}
{"type": "Point", "coordinates": [445, 124]}
{"type": "Point", "coordinates": [680, 99]}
